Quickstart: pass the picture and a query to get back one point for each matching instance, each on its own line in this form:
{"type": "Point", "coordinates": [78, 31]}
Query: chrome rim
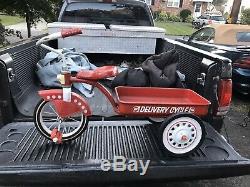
{"type": "Point", "coordinates": [50, 120]}
{"type": "Point", "coordinates": [182, 135]}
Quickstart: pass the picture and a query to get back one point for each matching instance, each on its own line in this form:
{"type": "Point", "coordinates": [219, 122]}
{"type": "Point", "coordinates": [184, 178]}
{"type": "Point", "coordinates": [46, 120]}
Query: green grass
{"type": "Point", "coordinates": [10, 20]}
{"type": "Point", "coordinates": [176, 28]}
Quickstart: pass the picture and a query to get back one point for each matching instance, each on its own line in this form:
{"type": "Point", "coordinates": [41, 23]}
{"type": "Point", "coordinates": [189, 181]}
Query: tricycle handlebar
{"type": "Point", "coordinates": [70, 32]}
{"type": "Point", "coordinates": [63, 34]}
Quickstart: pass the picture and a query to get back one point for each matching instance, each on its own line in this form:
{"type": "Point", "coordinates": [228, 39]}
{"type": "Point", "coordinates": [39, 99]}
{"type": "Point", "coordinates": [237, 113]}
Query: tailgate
{"type": "Point", "coordinates": [26, 157]}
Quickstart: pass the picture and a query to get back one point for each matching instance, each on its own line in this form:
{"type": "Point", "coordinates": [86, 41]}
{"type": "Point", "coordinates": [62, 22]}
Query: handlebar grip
{"type": "Point", "coordinates": [70, 32]}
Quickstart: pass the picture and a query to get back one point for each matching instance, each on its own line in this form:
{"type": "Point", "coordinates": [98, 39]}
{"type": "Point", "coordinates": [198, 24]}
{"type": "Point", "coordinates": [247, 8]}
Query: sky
{"type": "Point", "coordinates": [245, 3]}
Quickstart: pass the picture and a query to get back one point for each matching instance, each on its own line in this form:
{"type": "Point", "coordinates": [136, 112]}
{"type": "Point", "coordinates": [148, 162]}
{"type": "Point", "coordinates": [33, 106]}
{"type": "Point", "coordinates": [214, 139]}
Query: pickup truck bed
{"type": "Point", "coordinates": [27, 157]}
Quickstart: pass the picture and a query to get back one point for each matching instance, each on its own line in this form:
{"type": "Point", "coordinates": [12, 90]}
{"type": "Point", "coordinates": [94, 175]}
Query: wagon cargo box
{"type": "Point", "coordinates": [116, 39]}
{"type": "Point", "coordinates": [160, 101]}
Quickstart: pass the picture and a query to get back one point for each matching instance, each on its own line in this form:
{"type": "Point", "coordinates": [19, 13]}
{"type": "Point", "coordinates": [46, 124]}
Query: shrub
{"type": "Point", "coordinates": [174, 18]}
{"type": "Point", "coordinates": [184, 14]}
{"type": "Point", "coordinates": [156, 15]}
{"type": "Point", "coordinates": [163, 16]}
{"type": "Point", "coordinates": [189, 19]}
{"type": "Point", "coordinates": [245, 16]}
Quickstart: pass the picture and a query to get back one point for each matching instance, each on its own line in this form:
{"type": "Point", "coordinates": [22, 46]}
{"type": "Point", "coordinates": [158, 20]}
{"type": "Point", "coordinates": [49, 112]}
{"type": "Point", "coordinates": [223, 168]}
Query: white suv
{"type": "Point", "coordinates": [208, 19]}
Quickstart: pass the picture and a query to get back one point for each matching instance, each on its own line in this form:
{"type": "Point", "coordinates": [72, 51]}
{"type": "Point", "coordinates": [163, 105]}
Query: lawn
{"type": "Point", "coordinates": [176, 28]}
{"type": "Point", "coordinates": [10, 20]}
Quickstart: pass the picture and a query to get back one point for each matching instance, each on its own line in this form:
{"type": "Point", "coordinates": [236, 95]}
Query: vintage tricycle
{"type": "Point", "coordinates": [62, 115]}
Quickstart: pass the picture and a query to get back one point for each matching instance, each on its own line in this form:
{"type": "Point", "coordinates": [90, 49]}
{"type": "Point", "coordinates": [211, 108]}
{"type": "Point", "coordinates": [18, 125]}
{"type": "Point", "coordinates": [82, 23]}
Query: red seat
{"type": "Point", "coordinates": [99, 73]}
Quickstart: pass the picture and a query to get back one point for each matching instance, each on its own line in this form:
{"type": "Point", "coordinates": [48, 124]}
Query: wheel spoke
{"type": "Point", "coordinates": [48, 113]}
{"type": "Point", "coordinates": [49, 120]}
{"type": "Point", "coordinates": [51, 125]}
{"type": "Point", "coordinates": [73, 119]}
{"type": "Point", "coordinates": [53, 110]}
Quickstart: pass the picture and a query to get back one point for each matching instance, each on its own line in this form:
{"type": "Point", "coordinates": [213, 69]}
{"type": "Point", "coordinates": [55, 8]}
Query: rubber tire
{"type": "Point", "coordinates": [151, 120]}
{"type": "Point", "coordinates": [45, 134]}
{"type": "Point", "coordinates": [173, 117]}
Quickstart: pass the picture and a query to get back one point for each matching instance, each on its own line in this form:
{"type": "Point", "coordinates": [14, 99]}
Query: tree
{"type": "Point", "coordinates": [31, 10]}
{"type": "Point", "coordinates": [235, 11]}
{"type": "Point", "coordinates": [245, 16]}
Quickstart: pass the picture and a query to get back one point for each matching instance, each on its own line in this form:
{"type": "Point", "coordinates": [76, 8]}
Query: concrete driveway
{"type": "Point", "coordinates": [36, 30]}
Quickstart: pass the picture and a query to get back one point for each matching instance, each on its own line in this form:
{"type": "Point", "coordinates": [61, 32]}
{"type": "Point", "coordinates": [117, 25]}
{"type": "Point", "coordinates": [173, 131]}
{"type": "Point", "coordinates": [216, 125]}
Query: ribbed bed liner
{"type": "Point", "coordinates": [27, 157]}
{"type": "Point", "coordinates": [21, 143]}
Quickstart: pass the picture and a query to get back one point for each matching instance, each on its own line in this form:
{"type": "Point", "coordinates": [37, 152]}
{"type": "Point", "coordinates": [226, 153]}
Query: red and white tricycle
{"type": "Point", "coordinates": [62, 115]}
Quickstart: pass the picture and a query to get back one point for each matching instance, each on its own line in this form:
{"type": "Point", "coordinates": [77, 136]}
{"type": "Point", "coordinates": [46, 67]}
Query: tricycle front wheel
{"type": "Point", "coordinates": [182, 134]}
{"type": "Point", "coordinates": [50, 124]}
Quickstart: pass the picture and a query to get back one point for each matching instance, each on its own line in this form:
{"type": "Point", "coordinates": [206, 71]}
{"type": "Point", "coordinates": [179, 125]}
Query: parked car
{"type": "Point", "coordinates": [231, 41]}
{"type": "Point", "coordinates": [208, 19]}
{"type": "Point", "coordinates": [27, 157]}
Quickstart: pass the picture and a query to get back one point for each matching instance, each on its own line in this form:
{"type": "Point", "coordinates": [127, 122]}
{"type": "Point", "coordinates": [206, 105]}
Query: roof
{"type": "Point", "coordinates": [225, 34]}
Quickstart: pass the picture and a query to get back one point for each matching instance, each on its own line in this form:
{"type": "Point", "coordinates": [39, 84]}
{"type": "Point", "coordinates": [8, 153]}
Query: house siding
{"type": "Point", "coordinates": [161, 5]}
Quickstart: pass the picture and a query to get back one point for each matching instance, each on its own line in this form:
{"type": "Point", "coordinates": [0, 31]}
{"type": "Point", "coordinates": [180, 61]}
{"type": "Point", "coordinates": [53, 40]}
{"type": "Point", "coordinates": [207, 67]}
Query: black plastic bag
{"type": "Point", "coordinates": [131, 77]}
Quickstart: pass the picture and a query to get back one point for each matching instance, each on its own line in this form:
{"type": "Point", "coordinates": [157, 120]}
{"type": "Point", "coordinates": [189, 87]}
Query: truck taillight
{"type": "Point", "coordinates": [224, 96]}
{"type": "Point", "coordinates": [242, 63]}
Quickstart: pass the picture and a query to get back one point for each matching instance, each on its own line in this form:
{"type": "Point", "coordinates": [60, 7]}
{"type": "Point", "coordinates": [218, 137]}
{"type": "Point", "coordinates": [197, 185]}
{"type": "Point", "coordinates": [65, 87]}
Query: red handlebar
{"type": "Point", "coordinates": [70, 32]}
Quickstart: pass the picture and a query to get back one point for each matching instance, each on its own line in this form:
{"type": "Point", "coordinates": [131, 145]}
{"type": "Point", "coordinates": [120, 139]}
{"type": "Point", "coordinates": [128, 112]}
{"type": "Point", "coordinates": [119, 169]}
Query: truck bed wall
{"type": "Point", "coordinates": [25, 84]}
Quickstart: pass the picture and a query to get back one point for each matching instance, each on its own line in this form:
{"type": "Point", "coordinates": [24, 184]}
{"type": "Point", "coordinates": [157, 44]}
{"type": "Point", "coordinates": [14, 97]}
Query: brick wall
{"type": "Point", "coordinates": [161, 5]}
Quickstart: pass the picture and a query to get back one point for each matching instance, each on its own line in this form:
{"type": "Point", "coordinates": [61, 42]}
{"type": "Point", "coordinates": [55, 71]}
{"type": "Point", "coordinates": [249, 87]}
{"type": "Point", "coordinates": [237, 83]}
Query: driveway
{"type": "Point", "coordinates": [36, 30]}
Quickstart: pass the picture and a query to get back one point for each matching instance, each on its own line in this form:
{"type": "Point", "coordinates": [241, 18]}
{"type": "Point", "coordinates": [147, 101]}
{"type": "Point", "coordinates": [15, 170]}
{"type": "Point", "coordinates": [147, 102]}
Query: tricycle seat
{"type": "Point", "coordinates": [99, 73]}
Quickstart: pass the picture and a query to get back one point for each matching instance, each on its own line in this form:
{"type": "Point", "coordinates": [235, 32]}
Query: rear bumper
{"type": "Point", "coordinates": [76, 174]}
{"type": "Point", "coordinates": [27, 158]}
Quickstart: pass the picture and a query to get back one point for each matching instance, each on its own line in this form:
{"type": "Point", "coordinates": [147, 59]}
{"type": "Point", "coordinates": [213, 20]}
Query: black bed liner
{"type": "Point", "coordinates": [26, 157]}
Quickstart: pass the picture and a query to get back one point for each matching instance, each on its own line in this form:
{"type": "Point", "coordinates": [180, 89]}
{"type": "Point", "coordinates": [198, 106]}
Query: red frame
{"type": "Point", "coordinates": [101, 88]}
{"type": "Point", "coordinates": [129, 101]}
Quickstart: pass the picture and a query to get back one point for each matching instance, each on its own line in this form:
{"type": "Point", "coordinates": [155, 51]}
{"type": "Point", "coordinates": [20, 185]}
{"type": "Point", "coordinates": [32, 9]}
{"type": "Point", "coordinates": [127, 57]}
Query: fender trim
{"type": "Point", "coordinates": [66, 109]}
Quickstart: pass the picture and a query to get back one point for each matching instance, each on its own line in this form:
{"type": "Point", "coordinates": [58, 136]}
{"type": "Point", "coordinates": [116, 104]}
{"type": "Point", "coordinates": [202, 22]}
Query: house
{"type": "Point", "coordinates": [197, 7]}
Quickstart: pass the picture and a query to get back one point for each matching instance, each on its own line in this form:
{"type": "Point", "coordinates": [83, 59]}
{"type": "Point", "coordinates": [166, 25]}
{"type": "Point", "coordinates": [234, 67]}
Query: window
{"type": "Point", "coordinates": [173, 3]}
{"type": "Point", "coordinates": [203, 35]}
{"type": "Point", "coordinates": [217, 18]}
{"type": "Point", "coordinates": [106, 13]}
{"type": "Point", "coordinates": [197, 7]}
{"type": "Point", "coordinates": [243, 37]}
{"type": "Point", "coordinates": [204, 17]}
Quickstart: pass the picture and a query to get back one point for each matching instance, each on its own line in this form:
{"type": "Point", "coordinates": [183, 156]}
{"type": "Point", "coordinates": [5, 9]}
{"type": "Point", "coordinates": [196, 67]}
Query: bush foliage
{"type": "Point", "coordinates": [184, 14]}
{"type": "Point", "coordinates": [245, 16]}
{"type": "Point", "coordinates": [166, 17]}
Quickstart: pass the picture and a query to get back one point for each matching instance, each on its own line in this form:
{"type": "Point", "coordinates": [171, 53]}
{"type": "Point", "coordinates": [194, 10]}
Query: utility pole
{"type": "Point", "coordinates": [235, 11]}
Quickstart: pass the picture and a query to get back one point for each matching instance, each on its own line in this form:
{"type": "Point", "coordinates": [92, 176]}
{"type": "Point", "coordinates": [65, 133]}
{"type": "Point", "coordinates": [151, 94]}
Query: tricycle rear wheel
{"type": "Point", "coordinates": [181, 134]}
